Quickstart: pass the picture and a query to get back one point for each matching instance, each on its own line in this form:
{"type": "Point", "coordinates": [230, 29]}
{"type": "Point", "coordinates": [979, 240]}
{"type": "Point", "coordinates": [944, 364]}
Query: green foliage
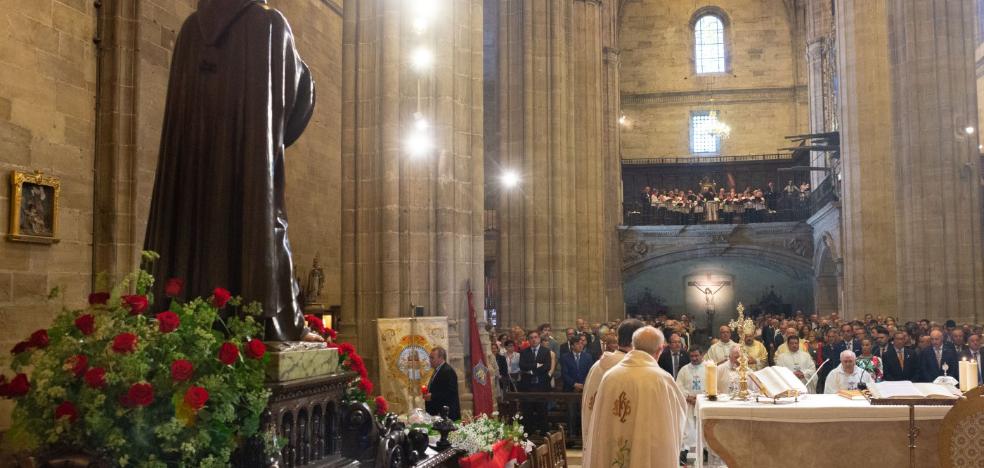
{"type": "Point", "coordinates": [167, 432]}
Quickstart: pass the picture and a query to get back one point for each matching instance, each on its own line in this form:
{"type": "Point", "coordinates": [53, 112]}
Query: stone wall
{"type": "Point", "coordinates": [48, 113]}
{"type": "Point", "coordinates": [762, 96]}
{"type": "Point", "coordinates": [47, 118]}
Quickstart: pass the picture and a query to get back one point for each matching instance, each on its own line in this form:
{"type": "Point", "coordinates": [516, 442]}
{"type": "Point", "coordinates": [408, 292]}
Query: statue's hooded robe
{"type": "Point", "coordinates": [238, 95]}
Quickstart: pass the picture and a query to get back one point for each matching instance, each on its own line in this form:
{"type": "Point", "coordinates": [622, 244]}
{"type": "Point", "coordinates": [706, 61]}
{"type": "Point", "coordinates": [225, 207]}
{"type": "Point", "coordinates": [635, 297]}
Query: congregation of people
{"type": "Point", "coordinates": [827, 353]}
{"type": "Point", "coordinates": [710, 205]}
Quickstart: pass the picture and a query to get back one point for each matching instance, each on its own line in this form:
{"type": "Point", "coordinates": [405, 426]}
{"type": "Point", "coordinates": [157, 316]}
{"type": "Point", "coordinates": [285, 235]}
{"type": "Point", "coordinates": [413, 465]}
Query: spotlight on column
{"type": "Point", "coordinates": [419, 142]}
{"type": "Point", "coordinates": [969, 130]}
{"type": "Point", "coordinates": [421, 59]}
{"type": "Point", "coordinates": [623, 120]}
{"type": "Point", "coordinates": [424, 14]}
{"type": "Point", "coordinates": [509, 179]}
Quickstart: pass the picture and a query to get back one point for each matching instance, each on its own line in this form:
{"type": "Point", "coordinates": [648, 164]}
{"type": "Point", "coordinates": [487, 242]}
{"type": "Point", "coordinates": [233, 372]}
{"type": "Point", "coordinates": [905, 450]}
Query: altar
{"type": "Point", "coordinates": [816, 431]}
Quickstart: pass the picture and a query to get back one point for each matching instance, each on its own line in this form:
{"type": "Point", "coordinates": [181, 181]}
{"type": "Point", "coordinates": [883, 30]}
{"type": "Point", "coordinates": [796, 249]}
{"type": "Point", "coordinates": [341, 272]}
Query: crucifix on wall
{"type": "Point", "coordinates": [709, 288]}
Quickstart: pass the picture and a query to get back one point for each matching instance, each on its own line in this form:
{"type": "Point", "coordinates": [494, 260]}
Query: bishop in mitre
{"type": "Point", "coordinates": [718, 352]}
{"type": "Point", "coordinates": [640, 414]}
{"type": "Point", "coordinates": [799, 362]}
{"type": "Point", "coordinates": [598, 370]}
{"type": "Point", "coordinates": [690, 381]}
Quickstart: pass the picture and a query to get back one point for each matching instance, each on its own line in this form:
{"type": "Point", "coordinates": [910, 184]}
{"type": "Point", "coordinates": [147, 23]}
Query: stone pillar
{"type": "Point", "coordinates": [938, 209]}
{"type": "Point", "coordinates": [911, 209]}
{"type": "Point", "coordinates": [554, 99]}
{"type": "Point", "coordinates": [411, 227]}
{"type": "Point", "coordinates": [612, 155]}
{"type": "Point", "coordinates": [867, 159]}
{"type": "Point", "coordinates": [818, 29]}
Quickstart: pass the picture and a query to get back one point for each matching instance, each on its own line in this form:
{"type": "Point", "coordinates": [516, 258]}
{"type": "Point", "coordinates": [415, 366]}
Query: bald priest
{"type": "Point", "coordinates": [633, 395]}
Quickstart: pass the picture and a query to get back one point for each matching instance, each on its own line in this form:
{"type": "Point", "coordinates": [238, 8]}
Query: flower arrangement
{"type": "Point", "coordinates": [361, 388]}
{"type": "Point", "coordinates": [479, 434]}
{"type": "Point", "coordinates": [181, 388]}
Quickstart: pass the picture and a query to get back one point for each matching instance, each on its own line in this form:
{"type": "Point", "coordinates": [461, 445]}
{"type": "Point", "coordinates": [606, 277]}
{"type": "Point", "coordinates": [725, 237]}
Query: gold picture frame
{"type": "Point", "coordinates": [34, 207]}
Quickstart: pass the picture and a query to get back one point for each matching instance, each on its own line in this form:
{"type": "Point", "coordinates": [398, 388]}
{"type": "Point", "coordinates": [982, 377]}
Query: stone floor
{"type": "Point", "coordinates": [574, 460]}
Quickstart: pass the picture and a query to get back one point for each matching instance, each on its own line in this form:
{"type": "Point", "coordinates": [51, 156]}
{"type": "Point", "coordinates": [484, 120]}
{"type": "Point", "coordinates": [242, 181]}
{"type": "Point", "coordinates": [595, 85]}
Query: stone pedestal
{"type": "Point", "coordinates": [292, 361]}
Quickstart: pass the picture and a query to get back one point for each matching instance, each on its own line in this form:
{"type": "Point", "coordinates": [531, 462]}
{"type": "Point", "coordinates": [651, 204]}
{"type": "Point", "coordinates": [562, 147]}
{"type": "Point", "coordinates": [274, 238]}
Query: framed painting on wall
{"type": "Point", "coordinates": [34, 207]}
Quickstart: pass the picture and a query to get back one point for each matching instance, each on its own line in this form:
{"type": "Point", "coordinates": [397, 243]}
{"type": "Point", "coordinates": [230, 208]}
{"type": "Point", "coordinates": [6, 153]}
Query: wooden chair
{"type": "Point", "coordinates": [961, 441]}
{"type": "Point", "coordinates": [558, 448]}
{"type": "Point", "coordinates": [541, 457]}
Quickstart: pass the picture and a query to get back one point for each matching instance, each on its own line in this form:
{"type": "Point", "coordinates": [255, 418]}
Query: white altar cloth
{"type": "Point", "coordinates": [812, 408]}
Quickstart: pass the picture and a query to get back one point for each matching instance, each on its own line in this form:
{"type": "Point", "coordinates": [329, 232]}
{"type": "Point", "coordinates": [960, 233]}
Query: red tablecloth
{"type": "Point", "coordinates": [504, 454]}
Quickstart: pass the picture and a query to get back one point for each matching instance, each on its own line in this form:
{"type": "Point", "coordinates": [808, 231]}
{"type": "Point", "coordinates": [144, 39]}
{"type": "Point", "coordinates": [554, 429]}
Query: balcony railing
{"type": "Point", "coordinates": [691, 159]}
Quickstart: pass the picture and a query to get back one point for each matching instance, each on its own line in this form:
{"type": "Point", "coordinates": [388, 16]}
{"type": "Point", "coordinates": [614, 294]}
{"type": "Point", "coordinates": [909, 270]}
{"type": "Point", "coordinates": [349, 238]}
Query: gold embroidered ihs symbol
{"type": "Point", "coordinates": [591, 401]}
{"type": "Point", "coordinates": [622, 407]}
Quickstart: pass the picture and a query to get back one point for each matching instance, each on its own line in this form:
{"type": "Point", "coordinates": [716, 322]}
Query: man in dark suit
{"type": "Point", "coordinates": [828, 351]}
{"type": "Point", "coordinates": [973, 354]}
{"type": "Point", "coordinates": [575, 366]}
{"type": "Point", "coordinates": [673, 358]}
{"type": "Point", "coordinates": [931, 359]}
{"type": "Point", "coordinates": [900, 362]}
{"type": "Point", "coordinates": [848, 342]}
{"type": "Point", "coordinates": [534, 366]}
{"type": "Point", "coordinates": [882, 345]}
{"type": "Point", "coordinates": [442, 389]}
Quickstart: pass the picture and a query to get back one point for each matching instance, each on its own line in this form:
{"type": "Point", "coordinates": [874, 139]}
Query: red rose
{"type": "Point", "coordinates": [228, 353]}
{"type": "Point", "coordinates": [423, 390]}
{"type": "Point", "coordinates": [255, 349]}
{"type": "Point", "coordinates": [356, 364]}
{"type": "Point", "coordinates": [98, 298]}
{"type": "Point", "coordinates": [86, 324]}
{"type": "Point", "coordinates": [16, 388]}
{"type": "Point", "coordinates": [382, 406]}
{"type": "Point", "coordinates": [77, 364]}
{"type": "Point", "coordinates": [39, 339]}
{"type": "Point", "coordinates": [332, 333]}
{"type": "Point", "coordinates": [136, 303]}
{"type": "Point", "coordinates": [219, 297]}
{"type": "Point", "coordinates": [173, 287]}
{"type": "Point", "coordinates": [182, 370]}
{"type": "Point", "coordinates": [315, 323]}
{"type": "Point", "coordinates": [67, 409]}
{"type": "Point", "coordinates": [125, 343]}
{"type": "Point", "coordinates": [20, 347]}
{"type": "Point", "coordinates": [168, 321]}
{"type": "Point", "coordinates": [95, 377]}
{"type": "Point", "coordinates": [366, 385]}
{"type": "Point", "coordinates": [140, 394]}
{"type": "Point", "coordinates": [346, 348]}
{"type": "Point", "coordinates": [196, 397]}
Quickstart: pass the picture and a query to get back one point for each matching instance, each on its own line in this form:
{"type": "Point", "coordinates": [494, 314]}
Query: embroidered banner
{"type": "Point", "coordinates": [404, 347]}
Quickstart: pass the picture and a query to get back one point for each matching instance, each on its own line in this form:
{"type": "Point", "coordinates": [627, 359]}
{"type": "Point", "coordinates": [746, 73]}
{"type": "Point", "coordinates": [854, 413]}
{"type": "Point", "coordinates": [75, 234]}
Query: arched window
{"type": "Point", "coordinates": [709, 44]}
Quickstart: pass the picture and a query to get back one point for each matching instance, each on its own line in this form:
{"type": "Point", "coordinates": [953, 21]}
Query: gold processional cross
{"type": "Point", "coordinates": [744, 327]}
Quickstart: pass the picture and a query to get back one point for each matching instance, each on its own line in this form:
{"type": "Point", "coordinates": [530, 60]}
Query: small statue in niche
{"type": "Point", "coordinates": [315, 282]}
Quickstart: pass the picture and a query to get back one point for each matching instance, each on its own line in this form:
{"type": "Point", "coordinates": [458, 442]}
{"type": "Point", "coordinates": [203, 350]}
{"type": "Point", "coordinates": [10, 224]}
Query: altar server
{"type": "Point", "coordinates": [598, 370]}
{"type": "Point", "coordinates": [799, 362]}
{"type": "Point", "coordinates": [847, 375]}
{"type": "Point", "coordinates": [634, 395]}
{"type": "Point", "coordinates": [690, 381]}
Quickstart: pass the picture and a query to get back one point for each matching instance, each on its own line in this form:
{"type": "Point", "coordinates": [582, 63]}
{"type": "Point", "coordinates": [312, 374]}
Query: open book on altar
{"type": "Point", "coordinates": [908, 390]}
{"type": "Point", "coordinates": [778, 381]}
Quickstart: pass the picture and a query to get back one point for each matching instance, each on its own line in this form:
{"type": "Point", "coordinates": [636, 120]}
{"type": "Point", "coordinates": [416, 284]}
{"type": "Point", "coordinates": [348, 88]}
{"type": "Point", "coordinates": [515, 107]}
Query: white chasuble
{"type": "Point", "coordinates": [598, 370]}
{"type": "Point", "coordinates": [639, 416]}
{"type": "Point", "coordinates": [800, 361]}
{"type": "Point", "coordinates": [719, 352]}
{"type": "Point", "coordinates": [690, 381]}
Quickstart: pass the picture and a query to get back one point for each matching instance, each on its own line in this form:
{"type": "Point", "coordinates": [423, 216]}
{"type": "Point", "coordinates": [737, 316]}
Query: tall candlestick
{"type": "Point", "coordinates": [965, 374]}
{"type": "Point", "coordinates": [711, 378]}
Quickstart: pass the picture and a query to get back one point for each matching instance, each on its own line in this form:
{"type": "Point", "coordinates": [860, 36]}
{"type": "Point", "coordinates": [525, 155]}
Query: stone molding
{"type": "Point", "coordinates": [718, 96]}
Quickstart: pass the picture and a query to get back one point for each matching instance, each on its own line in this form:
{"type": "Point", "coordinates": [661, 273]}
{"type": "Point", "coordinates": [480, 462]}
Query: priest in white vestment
{"type": "Point", "coordinates": [758, 356]}
{"type": "Point", "coordinates": [847, 375]}
{"type": "Point", "coordinates": [728, 377]}
{"type": "Point", "coordinates": [690, 381]}
{"type": "Point", "coordinates": [598, 370]}
{"type": "Point", "coordinates": [799, 362]}
{"type": "Point", "coordinates": [718, 352]}
{"type": "Point", "coordinates": [640, 413]}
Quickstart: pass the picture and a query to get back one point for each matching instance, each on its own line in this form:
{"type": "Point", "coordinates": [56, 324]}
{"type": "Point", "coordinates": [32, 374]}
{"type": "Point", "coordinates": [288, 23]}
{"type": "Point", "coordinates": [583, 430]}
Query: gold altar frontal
{"type": "Point", "coordinates": [818, 431]}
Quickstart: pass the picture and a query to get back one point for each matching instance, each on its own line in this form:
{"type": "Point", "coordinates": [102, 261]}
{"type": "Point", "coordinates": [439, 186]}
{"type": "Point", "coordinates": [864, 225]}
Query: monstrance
{"type": "Point", "coordinates": [744, 327]}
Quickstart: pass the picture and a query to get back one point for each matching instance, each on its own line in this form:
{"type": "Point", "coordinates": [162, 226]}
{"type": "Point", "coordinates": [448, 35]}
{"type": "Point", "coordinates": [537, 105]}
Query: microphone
{"type": "Point", "coordinates": [861, 384]}
{"type": "Point", "coordinates": [815, 374]}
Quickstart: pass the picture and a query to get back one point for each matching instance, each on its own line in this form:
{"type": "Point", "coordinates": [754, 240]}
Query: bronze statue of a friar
{"type": "Point", "coordinates": [238, 95]}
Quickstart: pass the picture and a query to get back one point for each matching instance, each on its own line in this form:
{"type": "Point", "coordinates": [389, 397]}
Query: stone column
{"type": "Point", "coordinates": [612, 155]}
{"type": "Point", "coordinates": [818, 28]}
{"type": "Point", "coordinates": [554, 99]}
{"type": "Point", "coordinates": [867, 158]}
{"type": "Point", "coordinates": [938, 209]}
{"type": "Point", "coordinates": [411, 227]}
{"type": "Point", "coordinates": [911, 207]}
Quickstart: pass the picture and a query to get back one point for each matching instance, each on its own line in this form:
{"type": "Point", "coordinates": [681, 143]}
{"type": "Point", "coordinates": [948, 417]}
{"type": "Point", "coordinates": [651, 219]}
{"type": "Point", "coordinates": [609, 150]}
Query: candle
{"type": "Point", "coordinates": [711, 378]}
{"type": "Point", "coordinates": [973, 374]}
{"type": "Point", "coordinates": [965, 374]}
